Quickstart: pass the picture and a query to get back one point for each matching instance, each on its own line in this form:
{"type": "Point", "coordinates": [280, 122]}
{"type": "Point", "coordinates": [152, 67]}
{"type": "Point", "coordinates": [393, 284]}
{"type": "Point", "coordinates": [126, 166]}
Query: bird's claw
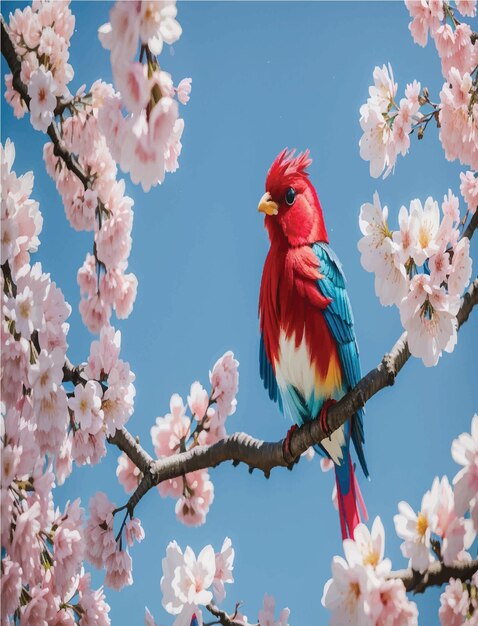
{"type": "Point", "coordinates": [323, 416]}
{"type": "Point", "coordinates": [288, 438]}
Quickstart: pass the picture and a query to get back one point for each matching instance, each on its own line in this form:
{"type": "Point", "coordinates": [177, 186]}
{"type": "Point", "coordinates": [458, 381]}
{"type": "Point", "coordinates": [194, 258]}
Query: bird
{"type": "Point", "coordinates": [308, 354]}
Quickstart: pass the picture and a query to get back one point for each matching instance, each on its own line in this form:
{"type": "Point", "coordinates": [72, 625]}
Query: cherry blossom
{"type": "Point", "coordinates": [416, 530]}
{"type": "Point", "coordinates": [224, 379]}
{"type": "Point", "coordinates": [469, 189]}
{"type": "Point", "coordinates": [458, 119]}
{"type": "Point", "coordinates": [266, 614]}
{"type": "Point", "coordinates": [429, 316]}
{"type": "Point", "coordinates": [224, 567]}
{"type": "Point", "coordinates": [41, 90]}
{"type": "Point", "coordinates": [454, 604]}
{"type": "Point", "coordinates": [352, 594]}
{"type": "Point", "coordinates": [128, 474]}
{"type": "Point", "coordinates": [464, 451]}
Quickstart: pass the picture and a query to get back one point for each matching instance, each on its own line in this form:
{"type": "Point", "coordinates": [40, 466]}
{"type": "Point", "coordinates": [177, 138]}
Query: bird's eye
{"type": "Point", "coordinates": [290, 196]}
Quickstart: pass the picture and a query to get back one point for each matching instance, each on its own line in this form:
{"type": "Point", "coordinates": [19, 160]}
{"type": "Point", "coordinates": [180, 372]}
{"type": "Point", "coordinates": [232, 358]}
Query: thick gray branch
{"type": "Point", "coordinates": [436, 575]}
{"type": "Point", "coordinates": [263, 455]}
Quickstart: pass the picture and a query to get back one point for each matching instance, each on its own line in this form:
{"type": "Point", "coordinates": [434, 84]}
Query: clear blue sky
{"type": "Point", "coordinates": [265, 76]}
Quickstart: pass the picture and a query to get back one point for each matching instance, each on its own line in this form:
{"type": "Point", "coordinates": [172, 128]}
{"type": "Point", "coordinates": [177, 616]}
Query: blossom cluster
{"type": "Point", "coordinates": [190, 582]}
{"type": "Point", "coordinates": [423, 268]}
{"type": "Point", "coordinates": [102, 208]}
{"type": "Point", "coordinates": [147, 142]}
{"type": "Point", "coordinates": [42, 578]}
{"type": "Point", "coordinates": [105, 550]}
{"type": "Point", "coordinates": [177, 432]}
{"type": "Point", "coordinates": [453, 38]}
{"type": "Point", "coordinates": [41, 37]}
{"type": "Point", "coordinates": [103, 401]}
{"type": "Point", "coordinates": [50, 418]}
{"type": "Point", "coordinates": [362, 589]}
{"type": "Point", "coordinates": [387, 125]}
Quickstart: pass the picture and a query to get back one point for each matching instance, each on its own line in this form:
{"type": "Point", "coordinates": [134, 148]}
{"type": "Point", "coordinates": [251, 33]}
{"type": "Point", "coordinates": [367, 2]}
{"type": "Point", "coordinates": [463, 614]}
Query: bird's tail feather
{"type": "Point", "coordinates": [349, 499]}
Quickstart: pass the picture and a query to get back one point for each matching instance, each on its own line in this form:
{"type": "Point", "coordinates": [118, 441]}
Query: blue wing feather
{"type": "Point", "coordinates": [268, 376]}
{"type": "Point", "coordinates": [339, 318]}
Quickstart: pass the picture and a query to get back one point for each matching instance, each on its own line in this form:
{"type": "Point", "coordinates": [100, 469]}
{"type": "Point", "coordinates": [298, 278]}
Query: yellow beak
{"type": "Point", "coordinates": [267, 205]}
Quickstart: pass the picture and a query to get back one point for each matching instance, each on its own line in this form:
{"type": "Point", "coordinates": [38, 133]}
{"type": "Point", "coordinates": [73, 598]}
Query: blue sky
{"type": "Point", "coordinates": [265, 76]}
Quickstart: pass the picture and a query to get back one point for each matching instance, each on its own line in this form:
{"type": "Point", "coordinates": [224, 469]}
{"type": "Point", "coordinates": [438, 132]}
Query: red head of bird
{"type": "Point", "coordinates": [293, 215]}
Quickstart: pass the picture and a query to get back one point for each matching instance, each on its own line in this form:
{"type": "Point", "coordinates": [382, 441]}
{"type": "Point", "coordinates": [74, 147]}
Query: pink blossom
{"type": "Point", "coordinates": [41, 90]}
{"type": "Point", "coordinates": [352, 594]}
{"type": "Point", "coordinates": [126, 296]}
{"type": "Point", "coordinates": [428, 315]}
{"type": "Point", "coordinates": [194, 576]}
{"type": "Point", "coordinates": [458, 125]}
{"type": "Point", "coordinates": [224, 567]}
{"type": "Point", "coordinates": [451, 528]}
{"type": "Point", "coordinates": [158, 24]}
{"type": "Point", "coordinates": [183, 90]}
{"type": "Point", "coordinates": [94, 608]}
{"type": "Point", "coordinates": [427, 15]}
{"type": "Point", "coordinates": [367, 548]}
{"type": "Point", "coordinates": [113, 240]}
{"type": "Point", "coordinates": [451, 206]}
{"type": "Point", "coordinates": [266, 614]}
{"type": "Point", "coordinates": [134, 86]}
{"type": "Point", "coordinates": [469, 190]}
{"type": "Point", "coordinates": [171, 564]}
{"type": "Point", "coordinates": [198, 401]}
{"type": "Point", "coordinates": [464, 451]}
{"type": "Point", "coordinates": [172, 429]}
{"type": "Point", "coordinates": [104, 353]}
{"type": "Point", "coordinates": [133, 531]}
{"type": "Point", "coordinates": [127, 472]}
{"type": "Point", "coordinates": [415, 530]}
{"type": "Point", "coordinates": [13, 98]}
{"type": "Point", "coordinates": [39, 609]}
{"type": "Point", "coordinates": [214, 427]}
{"type": "Point", "coordinates": [455, 48]}
{"type": "Point", "coordinates": [95, 313]}
{"type": "Point", "coordinates": [86, 276]}
{"type": "Point", "coordinates": [224, 379]}
{"type": "Point", "coordinates": [466, 7]}
{"type": "Point", "coordinates": [88, 448]}
{"type": "Point", "coordinates": [454, 604]}
{"type": "Point", "coordinates": [63, 460]}
{"type": "Point", "coordinates": [99, 534]}
{"type": "Point", "coordinates": [440, 268]}
{"type": "Point", "coordinates": [193, 506]}
{"type": "Point", "coordinates": [460, 268]}
{"type": "Point", "coordinates": [86, 406]}
{"type": "Point", "coordinates": [10, 586]}
{"type": "Point", "coordinates": [25, 548]}
{"type": "Point", "coordinates": [51, 413]}
{"type": "Point", "coordinates": [118, 570]}
{"type": "Point", "coordinates": [46, 374]}
{"type": "Point", "coordinates": [68, 545]}
{"type": "Point", "coordinates": [396, 608]}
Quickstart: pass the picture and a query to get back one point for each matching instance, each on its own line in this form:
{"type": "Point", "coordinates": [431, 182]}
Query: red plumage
{"type": "Point", "coordinates": [299, 344]}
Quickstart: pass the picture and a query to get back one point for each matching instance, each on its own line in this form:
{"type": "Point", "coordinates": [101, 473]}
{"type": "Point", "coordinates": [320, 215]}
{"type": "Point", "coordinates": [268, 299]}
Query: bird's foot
{"type": "Point", "coordinates": [288, 437]}
{"type": "Point", "coordinates": [323, 416]}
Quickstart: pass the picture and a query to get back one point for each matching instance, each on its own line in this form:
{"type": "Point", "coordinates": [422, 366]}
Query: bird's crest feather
{"type": "Point", "coordinates": [287, 166]}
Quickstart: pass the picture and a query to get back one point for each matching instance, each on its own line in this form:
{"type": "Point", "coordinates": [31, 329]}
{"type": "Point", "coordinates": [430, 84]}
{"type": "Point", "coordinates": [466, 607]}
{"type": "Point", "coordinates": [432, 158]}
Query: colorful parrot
{"type": "Point", "coordinates": [309, 356]}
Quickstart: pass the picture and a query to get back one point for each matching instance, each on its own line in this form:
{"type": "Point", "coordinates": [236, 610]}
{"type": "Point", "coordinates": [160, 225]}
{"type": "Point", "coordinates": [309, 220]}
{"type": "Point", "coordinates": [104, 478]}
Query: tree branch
{"type": "Point", "coordinates": [262, 455]}
{"type": "Point", "coordinates": [436, 575]}
{"type": "Point", "coordinates": [223, 618]}
{"type": "Point", "coordinates": [15, 65]}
